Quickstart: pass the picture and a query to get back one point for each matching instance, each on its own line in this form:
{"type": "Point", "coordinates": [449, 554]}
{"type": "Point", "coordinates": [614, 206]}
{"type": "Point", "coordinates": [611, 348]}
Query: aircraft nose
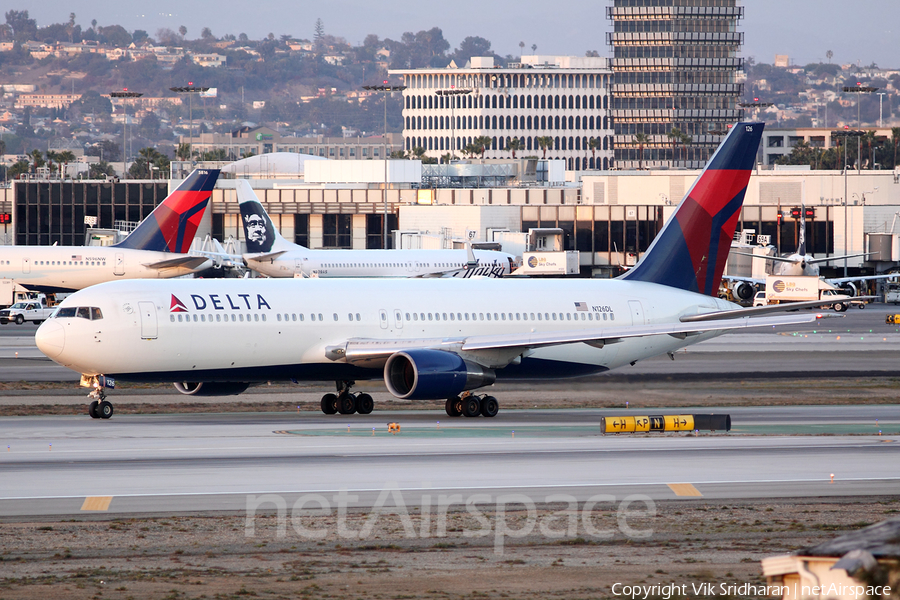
{"type": "Point", "coordinates": [50, 338]}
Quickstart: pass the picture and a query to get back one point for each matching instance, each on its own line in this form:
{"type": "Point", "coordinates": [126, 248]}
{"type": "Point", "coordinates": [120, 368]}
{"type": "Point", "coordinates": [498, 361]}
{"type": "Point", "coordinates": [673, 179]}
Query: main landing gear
{"type": "Point", "coordinates": [100, 407]}
{"type": "Point", "coordinates": [470, 405]}
{"type": "Point", "coordinates": [346, 403]}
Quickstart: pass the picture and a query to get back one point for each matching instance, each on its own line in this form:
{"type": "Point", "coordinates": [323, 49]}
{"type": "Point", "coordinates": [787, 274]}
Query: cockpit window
{"type": "Point", "coordinates": [91, 313]}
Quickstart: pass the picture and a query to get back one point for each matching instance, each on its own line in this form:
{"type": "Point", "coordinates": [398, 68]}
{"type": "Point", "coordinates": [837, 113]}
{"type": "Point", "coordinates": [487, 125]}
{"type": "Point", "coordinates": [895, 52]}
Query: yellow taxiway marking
{"type": "Point", "coordinates": [684, 489]}
{"type": "Point", "coordinates": [96, 503]}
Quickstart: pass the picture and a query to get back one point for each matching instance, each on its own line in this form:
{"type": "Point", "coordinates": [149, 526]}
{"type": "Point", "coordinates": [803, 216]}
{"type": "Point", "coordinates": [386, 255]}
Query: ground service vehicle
{"type": "Point", "coordinates": [802, 288]}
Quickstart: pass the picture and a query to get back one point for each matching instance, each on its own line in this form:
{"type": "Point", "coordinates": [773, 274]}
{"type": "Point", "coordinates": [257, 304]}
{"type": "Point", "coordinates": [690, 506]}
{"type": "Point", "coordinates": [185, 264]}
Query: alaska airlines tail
{"type": "Point", "coordinates": [690, 251]}
{"type": "Point", "coordinates": [260, 233]}
{"type": "Point", "coordinates": [172, 225]}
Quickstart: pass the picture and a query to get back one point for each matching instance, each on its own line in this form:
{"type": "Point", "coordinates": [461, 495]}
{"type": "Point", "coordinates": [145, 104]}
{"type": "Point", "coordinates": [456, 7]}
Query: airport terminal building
{"type": "Point", "coordinates": [610, 218]}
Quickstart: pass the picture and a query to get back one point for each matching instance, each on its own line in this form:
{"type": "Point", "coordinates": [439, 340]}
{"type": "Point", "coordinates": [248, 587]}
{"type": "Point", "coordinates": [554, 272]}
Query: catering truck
{"type": "Point", "coordinates": [803, 288]}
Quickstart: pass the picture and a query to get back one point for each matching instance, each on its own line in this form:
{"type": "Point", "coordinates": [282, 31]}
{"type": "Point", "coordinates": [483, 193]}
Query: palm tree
{"type": "Point", "coordinates": [675, 136]}
{"type": "Point", "coordinates": [640, 139]}
{"type": "Point", "coordinates": [685, 140]}
{"type": "Point", "coordinates": [446, 158]}
{"type": "Point", "coordinates": [544, 143]}
{"type": "Point", "coordinates": [51, 157]}
{"type": "Point", "coordinates": [482, 142]}
{"type": "Point", "coordinates": [514, 144]}
{"type": "Point", "coordinates": [521, 48]}
{"type": "Point", "coordinates": [593, 144]}
{"type": "Point", "coordinates": [37, 160]}
{"type": "Point", "coordinates": [417, 153]}
{"type": "Point", "coordinates": [183, 152]}
{"type": "Point", "coordinates": [65, 157]}
{"type": "Point", "coordinates": [869, 138]}
{"type": "Point", "coordinates": [895, 137]}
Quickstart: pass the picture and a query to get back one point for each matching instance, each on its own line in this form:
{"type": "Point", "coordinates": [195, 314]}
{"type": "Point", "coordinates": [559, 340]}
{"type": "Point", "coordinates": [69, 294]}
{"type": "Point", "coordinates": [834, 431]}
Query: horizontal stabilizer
{"type": "Point", "coordinates": [761, 310]}
{"type": "Point", "coordinates": [265, 256]}
{"type": "Point", "coordinates": [185, 262]}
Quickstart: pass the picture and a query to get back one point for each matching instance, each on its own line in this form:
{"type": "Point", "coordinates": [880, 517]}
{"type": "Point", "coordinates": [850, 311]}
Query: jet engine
{"type": "Point", "coordinates": [211, 388]}
{"type": "Point", "coordinates": [849, 288]}
{"type": "Point", "coordinates": [433, 375]}
{"type": "Point", "coordinates": [743, 290]}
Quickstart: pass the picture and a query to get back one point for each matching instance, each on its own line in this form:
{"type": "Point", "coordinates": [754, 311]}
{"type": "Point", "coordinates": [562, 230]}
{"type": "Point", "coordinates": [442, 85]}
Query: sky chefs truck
{"type": "Point", "coordinates": [801, 288]}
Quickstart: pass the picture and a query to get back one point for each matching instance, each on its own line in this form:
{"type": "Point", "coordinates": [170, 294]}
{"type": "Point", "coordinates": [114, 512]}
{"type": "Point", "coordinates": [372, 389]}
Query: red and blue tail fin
{"type": "Point", "coordinates": [172, 225]}
{"type": "Point", "coordinates": [691, 250]}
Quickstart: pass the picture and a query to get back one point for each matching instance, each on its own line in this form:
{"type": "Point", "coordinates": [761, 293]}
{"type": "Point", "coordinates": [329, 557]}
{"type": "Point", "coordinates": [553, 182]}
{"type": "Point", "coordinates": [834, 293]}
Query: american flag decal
{"type": "Point", "coordinates": [581, 306]}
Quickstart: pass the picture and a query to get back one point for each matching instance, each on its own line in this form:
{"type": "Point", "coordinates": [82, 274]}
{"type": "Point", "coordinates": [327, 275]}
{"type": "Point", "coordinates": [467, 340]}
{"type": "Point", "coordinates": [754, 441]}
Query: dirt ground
{"type": "Point", "coordinates": [212, 556]}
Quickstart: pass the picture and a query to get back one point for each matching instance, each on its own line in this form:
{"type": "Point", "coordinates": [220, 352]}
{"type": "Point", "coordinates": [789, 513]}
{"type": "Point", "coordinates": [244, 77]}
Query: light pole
{"type": "Point", "coordinates": [880, 108]}
{"type": "Point", "coordinates": [190, 90]}
{"type": "Point", "coordinates": [387, 89]}
{"type": "Point", "coordinates": [452, 93]}
{"type": "Point", "coordinates": [125, 95]}
{"type": "Point", "coordinates": [859, 89]}
{"type": "Point", "coordinates": [846, 133]}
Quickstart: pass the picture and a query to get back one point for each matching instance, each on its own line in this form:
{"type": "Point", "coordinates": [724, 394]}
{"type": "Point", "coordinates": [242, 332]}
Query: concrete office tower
{"type": "Point", "coordinates": [563, 98]}
{"type": "Point", "coordinates": [675, 65]}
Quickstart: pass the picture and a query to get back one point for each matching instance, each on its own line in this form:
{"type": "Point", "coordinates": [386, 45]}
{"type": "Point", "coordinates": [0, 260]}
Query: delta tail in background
{"type": "Point", "coordinates": [429, 339]}
{"type": "Point", "coordinates": [272, 255]}
{"type": "Point", "coordinates": [156, 249]}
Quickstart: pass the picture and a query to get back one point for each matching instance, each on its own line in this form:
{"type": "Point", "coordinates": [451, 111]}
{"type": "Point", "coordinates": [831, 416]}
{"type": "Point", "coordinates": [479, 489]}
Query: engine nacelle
{"type": "Point", "coordinates": [211, 388]}
{"type": "Point", "coordinates": [433, 375]}
{"type": "Point", "coordinates": [744, 290]}
{"type": "Point", "coordinates": [849, 288]}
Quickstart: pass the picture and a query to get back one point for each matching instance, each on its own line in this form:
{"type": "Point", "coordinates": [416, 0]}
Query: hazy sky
{"type": "Point", "coordinates": [803, 29]}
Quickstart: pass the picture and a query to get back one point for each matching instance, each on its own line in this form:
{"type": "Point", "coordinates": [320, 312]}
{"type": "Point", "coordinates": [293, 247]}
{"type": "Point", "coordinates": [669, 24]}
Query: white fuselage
{"type": "Point", "coordinates": [69, 268]}
{"type": "Point", "coordinates": [380, 263]}
{"type": "Point", "coordinates": [797, 266]}
{"type": "Point", "coordinates": [269, 329]}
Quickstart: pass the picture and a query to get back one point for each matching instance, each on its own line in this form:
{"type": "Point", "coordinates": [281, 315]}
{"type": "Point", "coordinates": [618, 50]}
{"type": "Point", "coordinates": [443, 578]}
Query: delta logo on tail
{"type": "Point", "coordinates": [171, 227]}
{"type": "Point", "coordinates": [176, 305]}
{"type": "Point", "coordinates": [691, 250]}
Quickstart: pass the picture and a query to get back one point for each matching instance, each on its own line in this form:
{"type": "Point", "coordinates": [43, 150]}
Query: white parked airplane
{"type": "Point", "coordinates": [800, 264]}
{"type": "Point", "coordinates": [155, 249]}
{"type": "Point", "coordinates": [272, 255]}
{"type": "Point", "coordinates": [428, 338]}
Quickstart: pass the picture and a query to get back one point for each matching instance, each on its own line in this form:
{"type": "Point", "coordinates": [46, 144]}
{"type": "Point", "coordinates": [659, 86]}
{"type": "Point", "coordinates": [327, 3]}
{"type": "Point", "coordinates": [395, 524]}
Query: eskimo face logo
{"type": "Point", "coordinates": [177, 305]}
{"type": "Point", "coordinates": [778, 285]}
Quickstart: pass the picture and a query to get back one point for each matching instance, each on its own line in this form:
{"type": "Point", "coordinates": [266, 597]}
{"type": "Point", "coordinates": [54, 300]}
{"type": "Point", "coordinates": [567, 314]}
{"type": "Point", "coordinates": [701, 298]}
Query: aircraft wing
{"type": "Point", "coordinates": [813, 261]}
{"type": "Point", "coordinates": [841, 280]}
{"type": "Point", "coordinates": [776, 258]}
{"type": "Point", "coordinates": [184, 262]}
{"type": "Point", "coordinates": [264, 256]}
{"type": "Point", "coordinates": [496, 351]}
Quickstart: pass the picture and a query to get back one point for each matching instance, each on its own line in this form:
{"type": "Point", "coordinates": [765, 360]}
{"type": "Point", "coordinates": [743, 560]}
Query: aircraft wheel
{"type": "Point", "coordinates": [862, 305]}
{"type": "Point", "coordinates": [471, 406]}
{"type": "Point", "coordinates": [489, 406]}
{"type": "Point", "coordinates": [839, 307]}
{"type": "Point", "coordinates": [346, 404]}
{"type": "Point", "coordinates": [20, 319]}
{"type": "Point", "coordinates": [453, 406]}
{"type": "Point", "coordinates": [364, 404]}
{"type": "Point", "coordinates": [329, 404]}
{"type": "Point", "coordinates": [92, 410]}
{"type": "Point", "coordinates": [105, 410]}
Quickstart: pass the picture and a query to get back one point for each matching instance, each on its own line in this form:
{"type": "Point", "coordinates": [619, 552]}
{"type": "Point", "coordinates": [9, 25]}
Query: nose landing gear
{"type": "Point", "coordinates": [100, 407]}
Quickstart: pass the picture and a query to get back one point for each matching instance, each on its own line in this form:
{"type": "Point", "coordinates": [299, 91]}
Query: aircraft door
{"type": "Point", "coordinates": [26, 265]}
{"type": "Point", "coordinates": [149, 327]}
{"type": "Point", "coordinates": [637, 313]}
{"type": "Point", "coordinates": [383, 318]}
{"type": "Point", "coordinates": [298, 267]}
{"type": "Point", "coordinates": [119, 268]}
{"type": "Point", "coordinates": [398, 319]}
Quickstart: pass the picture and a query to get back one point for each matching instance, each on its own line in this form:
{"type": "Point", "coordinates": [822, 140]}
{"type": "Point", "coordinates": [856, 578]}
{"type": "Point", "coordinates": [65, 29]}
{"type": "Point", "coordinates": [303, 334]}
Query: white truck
{"type": "Point", "coordinates": [35, 311]}
{"type": "Point", "coordinates": [803, 288]}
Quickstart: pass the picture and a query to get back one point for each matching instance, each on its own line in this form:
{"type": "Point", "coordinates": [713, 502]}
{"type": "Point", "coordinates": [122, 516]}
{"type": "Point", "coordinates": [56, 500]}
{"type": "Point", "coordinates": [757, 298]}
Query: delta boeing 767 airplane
{"type": "Point", "coordinates": [429, 339]}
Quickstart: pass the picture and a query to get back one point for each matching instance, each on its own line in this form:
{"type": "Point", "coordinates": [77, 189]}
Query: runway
{"type": "Point", "coordinates": [198, 463]}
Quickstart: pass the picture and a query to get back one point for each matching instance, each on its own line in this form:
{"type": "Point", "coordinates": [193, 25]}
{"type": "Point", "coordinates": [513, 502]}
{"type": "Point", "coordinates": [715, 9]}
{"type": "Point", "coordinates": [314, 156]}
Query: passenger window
{"type": "Point", "coordinates": [539, 316]}
{"type": "Point", "coordinates": [612, 316]}
{"type": "Point", "coordinates": [503, 316]}
{"type": "Point", "coordinates": [422, 316]}
{"type": "Point", "coordinates": [350, 317]}
{"type": "Point", "coordinates": [195, 318]}
{"type": "Point", "coordinates": [264, 318]}
{"type": "Point", "coordinates": [467, 316]}
{"type": "Point", "coordinates": [172, 318]}
{"type": "Point", "coordinates": [429, 316]}
{"type": "Point", "coordinates": [203, 318]}
{"type": "Point", "coordinates": [554, 316]}
{"type": "Point", "coordinates": [458, 317]}
{"type": "Point", "coordinates": [256, 318]}
{"type": "Point", "coordinates": [335, 316]}
{"type": "Point", "coordinates": [415, 316]}
{"type": "Point", "coordinates": [407, 316]}
{"type": "Point", "coordinates": [547, 317]}
{"type": "Point", "coordinates": [532, 316]}
{"type": "Point", "coordinates": [279, 316]}
{"type": "Point", "coordinates": [320, 316]}
{"type": "Point", "coordinates": [241, 317]}
{"type": "Point", "coordinates": [312, 316]}
{"type": "Point", "coordinates": [517, 316]}
{"type": "Point", "coordinates": [489, 316]}
{"type": "Point", "coordinates": [445, 316]}
{"type": "Point", "coordinates": [218, 318]}
{"type": "Point", "coordinates": [301, 317]}
{"type": "Point", "coordinates": [452, 316]}
{"type": "Point", "coordinates": [357, 317]}
{"type": "Point", "coordinates": [234, 318]}
{"type": "Point", "coordinates": [179, 318]}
